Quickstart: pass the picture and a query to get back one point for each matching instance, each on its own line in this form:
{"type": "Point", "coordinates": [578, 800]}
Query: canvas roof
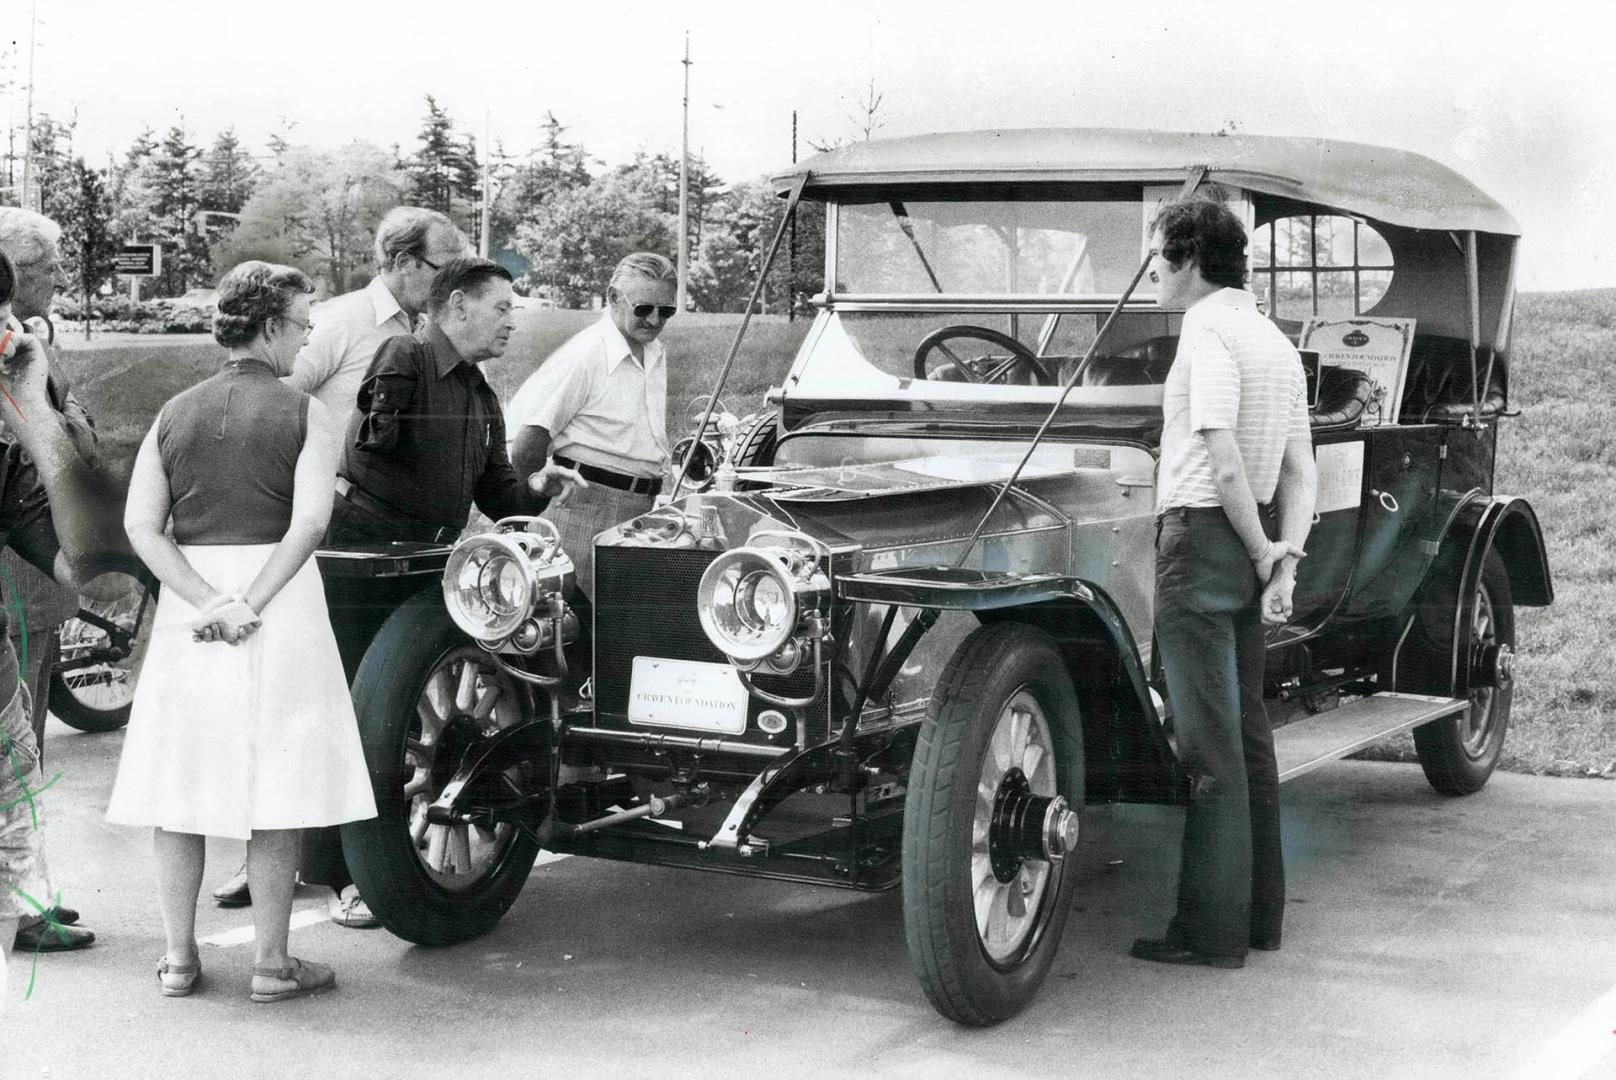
{"type": "Point", "coordinates": [1394, 186]}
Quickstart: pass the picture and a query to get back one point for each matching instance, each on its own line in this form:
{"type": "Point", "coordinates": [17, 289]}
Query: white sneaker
{"type": "Point", "coordinates": [349, 909]}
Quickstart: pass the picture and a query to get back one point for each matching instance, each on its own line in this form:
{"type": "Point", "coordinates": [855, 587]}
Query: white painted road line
{"type": "Point", "coordinates": [1578, 1047]}
{"type": "Point", "coordinates": [313, 916]}
{"type": "Point", "coordinates": [242, 935]}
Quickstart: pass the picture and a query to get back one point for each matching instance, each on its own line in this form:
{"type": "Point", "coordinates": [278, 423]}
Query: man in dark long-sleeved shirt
{"type": "Point", "coordinates": [430, 435]}
{"type": "Point", "coordinates": [428, 442]}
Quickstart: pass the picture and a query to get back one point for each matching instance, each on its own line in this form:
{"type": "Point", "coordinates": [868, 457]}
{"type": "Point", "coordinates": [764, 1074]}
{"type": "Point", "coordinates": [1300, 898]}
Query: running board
{"type": "Point", "coordinates": [1305, 745]}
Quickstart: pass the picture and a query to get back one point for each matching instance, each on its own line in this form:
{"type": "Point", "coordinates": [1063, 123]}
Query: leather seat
{"type": "Point", "coordinates": [1440, 388]}
{"type": "Point", "coordinates": [1344, 395]}
{"type": "Point", "coordinates": [1144, 364]}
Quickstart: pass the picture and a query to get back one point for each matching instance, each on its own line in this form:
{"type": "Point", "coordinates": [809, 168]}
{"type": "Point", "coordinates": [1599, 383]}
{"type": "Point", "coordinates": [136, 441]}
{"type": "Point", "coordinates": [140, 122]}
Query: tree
{"type": "Point", "coordinates": [577, 236]}
{"type": "Point", "coordinates": [318, 211]}
{"type": "Point", "coordinates": [863, 112]}
{"type": "Point", "coordinates": [737, 241]}
{"type": "Point", "coordinates": [228, 174]}
{"type": "Point", "coordinates": [89, 241]}
{"type": "Point", "coordinates": [444, 172]}
{"type": "Point", "coordinates": [554, 167]}
{"type": "Point", "coordinates": [175, 175]}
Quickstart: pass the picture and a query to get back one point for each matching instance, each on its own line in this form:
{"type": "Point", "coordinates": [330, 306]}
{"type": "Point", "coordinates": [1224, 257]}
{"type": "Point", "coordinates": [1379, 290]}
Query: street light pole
{"type": "Point", "coordinates": [486, 216]}
{"type": "Point", "coordinates": [684, 186]}
{"type": "Point", "coordinates": [27, 199]}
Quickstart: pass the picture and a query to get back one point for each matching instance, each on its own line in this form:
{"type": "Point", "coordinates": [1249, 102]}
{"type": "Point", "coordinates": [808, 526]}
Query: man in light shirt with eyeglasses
{"type": "Point", "coordinates": [599, 404]}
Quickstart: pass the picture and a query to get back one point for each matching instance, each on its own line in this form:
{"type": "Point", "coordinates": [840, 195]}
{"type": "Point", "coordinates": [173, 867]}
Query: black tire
{"type": "Point", "coordinates": [757, 445]}
{"type": "Point", "coordinates": [98, 698]}
{"type": "Point", "coordinates": [757, 448]}
{"type": "Point", "coordinates": [996, 667]}
{"type": "Point", "coordinates": [1460, 753]}
{"type": "Point", "coordinates": [415, 657]}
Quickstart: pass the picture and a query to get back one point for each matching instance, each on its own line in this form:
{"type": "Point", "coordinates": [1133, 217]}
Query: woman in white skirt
{"type": "Point", "coordinates": [242, 725]}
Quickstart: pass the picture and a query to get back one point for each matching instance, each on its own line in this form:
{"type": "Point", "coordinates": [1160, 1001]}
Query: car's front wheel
{"type": "Point", "coordinates": [424, 694]}
{"type": "Point", "coordinates": [999, 763]}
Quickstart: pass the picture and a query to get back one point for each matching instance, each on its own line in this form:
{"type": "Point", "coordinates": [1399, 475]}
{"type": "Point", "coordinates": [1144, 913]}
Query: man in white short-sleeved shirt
{"type": "Point", "coordinates": [599, 404]}
{"type": "Point", "coordinates": [347, 330]}
{"type": "Point", "coordinates": [1234, 435]}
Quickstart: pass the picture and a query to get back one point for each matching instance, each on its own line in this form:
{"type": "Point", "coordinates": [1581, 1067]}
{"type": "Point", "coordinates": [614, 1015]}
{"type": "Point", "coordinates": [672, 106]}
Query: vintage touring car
{"type": "Point", "coordinates": [904, 635]}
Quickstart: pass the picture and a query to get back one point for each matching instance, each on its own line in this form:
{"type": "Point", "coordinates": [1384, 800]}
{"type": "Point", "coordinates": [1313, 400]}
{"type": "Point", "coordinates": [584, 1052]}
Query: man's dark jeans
{"type": "Point", "coordinates": [1231, 886]}
{"type": "Point", "coordinates": [358, 607]}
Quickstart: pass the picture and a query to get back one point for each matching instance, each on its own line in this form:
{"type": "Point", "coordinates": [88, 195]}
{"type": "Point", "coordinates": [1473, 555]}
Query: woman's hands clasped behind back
{"type": "Point", "coordinates": [228, 618]}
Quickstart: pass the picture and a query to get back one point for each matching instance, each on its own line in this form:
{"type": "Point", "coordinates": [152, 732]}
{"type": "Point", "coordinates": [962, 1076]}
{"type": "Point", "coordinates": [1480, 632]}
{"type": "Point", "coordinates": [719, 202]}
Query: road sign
{"type": "Point", "coordinates": [139, 260]}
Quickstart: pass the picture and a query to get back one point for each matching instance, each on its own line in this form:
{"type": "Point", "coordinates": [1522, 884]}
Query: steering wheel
{"type": "Point", "coordinates": [986, 368]}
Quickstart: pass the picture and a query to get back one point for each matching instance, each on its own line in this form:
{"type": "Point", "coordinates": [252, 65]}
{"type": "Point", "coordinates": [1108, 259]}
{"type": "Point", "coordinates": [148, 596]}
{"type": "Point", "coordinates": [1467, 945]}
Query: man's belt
{"type": "Point", "coordinates": [634, 485]}
{"type": "Point", "coordinates": [407, 527]}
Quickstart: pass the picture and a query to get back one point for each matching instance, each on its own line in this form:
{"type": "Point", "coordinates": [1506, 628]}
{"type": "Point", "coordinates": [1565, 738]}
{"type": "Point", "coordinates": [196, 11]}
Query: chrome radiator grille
{"type": "Point", "coordinates": [645, 605]}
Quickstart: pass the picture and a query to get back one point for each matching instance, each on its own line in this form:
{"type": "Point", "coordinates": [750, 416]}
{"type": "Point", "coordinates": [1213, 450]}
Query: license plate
{"type": "Point", "coordinates": [687, 694]}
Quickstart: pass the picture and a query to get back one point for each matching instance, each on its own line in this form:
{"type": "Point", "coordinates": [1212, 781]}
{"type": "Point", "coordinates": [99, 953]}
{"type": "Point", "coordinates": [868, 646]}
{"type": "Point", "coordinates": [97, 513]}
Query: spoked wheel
{"type": "Point", "coordinates": [426, 698]}
{"type": "Point", "coordinates": [92, 684]}
{"type": "Point", "coordinates": [992, 813]}
{"type": "Point", "coordinates": [1459, 754]}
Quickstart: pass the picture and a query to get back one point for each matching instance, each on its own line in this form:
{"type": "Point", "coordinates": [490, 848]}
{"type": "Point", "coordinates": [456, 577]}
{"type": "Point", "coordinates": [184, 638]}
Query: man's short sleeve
{"type": "Point", "coordinates": [1214, 388]}
{"type": "Point", "coordinates": [555, 393]}
{"type": "Point", "coordinates": [320, 357]}
{"type": "Point", "coordinates": [1301, 426]}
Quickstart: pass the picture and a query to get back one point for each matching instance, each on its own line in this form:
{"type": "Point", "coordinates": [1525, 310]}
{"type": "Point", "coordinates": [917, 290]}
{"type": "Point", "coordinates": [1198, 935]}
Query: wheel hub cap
{"type": "Point", "coordinates": [1019, 823]}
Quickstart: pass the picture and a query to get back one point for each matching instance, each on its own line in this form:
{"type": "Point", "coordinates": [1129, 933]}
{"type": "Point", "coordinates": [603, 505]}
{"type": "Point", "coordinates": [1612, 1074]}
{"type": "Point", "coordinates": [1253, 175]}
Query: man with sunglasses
{"type": "Point", "coordinates": [599, 404]}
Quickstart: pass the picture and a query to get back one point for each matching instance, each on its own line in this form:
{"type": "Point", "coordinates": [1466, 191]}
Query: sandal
{"type": "Point", "coordinates": [178, 980]}
{"type": "Point", "coordinates": [306, 978]}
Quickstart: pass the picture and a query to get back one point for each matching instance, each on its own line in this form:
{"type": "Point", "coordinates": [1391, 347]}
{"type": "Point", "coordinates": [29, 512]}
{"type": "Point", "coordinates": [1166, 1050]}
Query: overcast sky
{"type": "Point", "coordinates": [1521, 98]}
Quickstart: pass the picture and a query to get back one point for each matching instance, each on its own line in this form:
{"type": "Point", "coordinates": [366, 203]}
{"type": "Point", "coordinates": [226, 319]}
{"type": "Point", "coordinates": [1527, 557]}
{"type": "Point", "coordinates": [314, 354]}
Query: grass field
{"type": "Point", "coordinates": [1560, 453]}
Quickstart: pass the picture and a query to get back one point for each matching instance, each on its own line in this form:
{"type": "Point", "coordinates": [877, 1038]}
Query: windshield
{"type": "Point", "coordinates": [952, 356]}
{"type": "Point", "coordinates": [1013, 243]}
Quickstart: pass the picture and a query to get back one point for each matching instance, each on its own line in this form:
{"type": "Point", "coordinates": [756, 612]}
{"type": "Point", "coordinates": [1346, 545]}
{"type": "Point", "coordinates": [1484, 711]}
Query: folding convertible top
{"type": "Point", "coordinates": [1394, 186]}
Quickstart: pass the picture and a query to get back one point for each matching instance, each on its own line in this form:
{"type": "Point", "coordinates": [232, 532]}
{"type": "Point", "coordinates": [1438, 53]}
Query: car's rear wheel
{"type": "Point", "coordinates": [424, 694]}
{"type": "Point", "coordinates": [1460, 753]}
{"type": "Point", "coordinates": [1001, 745]}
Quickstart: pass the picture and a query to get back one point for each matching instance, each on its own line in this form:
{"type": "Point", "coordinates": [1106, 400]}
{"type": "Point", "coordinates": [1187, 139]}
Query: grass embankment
{"type": "Point", "coordinates": [1560, 453]}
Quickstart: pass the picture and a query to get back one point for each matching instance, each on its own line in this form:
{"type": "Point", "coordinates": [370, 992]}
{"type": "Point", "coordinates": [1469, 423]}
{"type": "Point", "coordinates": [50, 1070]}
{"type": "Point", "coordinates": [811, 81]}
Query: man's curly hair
{"type": "Point", "coordinates": [250, 295]}
{"type": "Point", "coordinates": [1207, 233]}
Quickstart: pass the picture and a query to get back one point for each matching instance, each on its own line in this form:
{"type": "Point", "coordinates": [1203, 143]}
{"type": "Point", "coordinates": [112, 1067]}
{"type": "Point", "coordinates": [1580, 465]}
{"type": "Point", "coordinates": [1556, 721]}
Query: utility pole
{"type": "Point", "coordinates": [791, 264]}
{"type": "Point", "coordinates": [27, 199]}
{"type": "Point", "coordinates": [684, 185]}
{"type": "Point", "coordinates": [488, 148]}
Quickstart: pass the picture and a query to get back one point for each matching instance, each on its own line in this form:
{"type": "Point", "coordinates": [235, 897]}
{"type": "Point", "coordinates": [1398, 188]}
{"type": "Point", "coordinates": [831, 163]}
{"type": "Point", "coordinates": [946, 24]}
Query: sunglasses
{"type": "Point", "coordinates": [664, 311]}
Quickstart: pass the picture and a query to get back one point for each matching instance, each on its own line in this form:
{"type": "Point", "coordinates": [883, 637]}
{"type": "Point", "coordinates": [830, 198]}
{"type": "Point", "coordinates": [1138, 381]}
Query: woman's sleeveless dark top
{"type": "Point", "coordinates": [230, 446]}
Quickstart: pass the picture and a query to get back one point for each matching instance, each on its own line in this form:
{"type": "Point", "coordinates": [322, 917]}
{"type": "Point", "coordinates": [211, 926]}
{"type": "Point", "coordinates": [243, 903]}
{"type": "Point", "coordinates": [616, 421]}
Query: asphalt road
{"type": "Point", "coordinates": [1426, 937]}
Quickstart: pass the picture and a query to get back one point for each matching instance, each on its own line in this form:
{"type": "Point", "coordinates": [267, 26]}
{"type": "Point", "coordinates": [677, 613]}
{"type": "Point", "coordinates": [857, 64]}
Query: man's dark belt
{"type": "Point", "coordinates": [408, 528]}
{"type": "Point", "coordinates": [1263, 510]}
{"type": "Point", "coordinates": [634, 485]}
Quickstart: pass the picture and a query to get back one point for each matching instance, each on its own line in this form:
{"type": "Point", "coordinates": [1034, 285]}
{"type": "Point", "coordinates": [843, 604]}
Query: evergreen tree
{"type": "Point", "coordinates": [435, 165]}
{"type": "Point", "coordinates": [228, 174]}
{"type": "Point", "coordinates": [89, 241]}
{"type": "Point", "coordinates": [175, 192]}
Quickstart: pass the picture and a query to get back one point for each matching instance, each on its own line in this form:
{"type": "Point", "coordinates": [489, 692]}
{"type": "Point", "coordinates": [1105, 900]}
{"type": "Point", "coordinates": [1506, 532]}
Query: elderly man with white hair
{"type": "Point", "coordinates": [33, 458]}
{"type": "Point", "coordinates": [599, 404]}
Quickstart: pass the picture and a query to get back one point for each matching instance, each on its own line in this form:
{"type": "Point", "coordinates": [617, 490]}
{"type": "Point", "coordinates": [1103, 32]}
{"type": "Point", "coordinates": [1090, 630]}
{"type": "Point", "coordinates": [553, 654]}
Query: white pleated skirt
{"type": "Point", "coordinates": [224, 739]}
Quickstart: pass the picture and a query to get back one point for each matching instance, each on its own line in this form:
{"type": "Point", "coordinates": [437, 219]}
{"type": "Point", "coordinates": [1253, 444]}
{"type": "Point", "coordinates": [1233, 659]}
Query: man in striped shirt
{"type": "Point", "coordinates": [1235, 436]}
